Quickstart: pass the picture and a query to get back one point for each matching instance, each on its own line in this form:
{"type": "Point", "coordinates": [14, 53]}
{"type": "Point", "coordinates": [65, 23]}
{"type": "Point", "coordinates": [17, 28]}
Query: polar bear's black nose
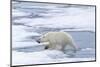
{"type": "Point", "coordinates": [38, 41]}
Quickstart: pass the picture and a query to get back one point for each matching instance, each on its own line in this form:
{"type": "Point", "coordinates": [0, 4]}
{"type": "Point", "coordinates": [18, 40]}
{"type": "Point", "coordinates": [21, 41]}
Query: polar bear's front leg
{"type": "Point", "coordinates": [45, 43]}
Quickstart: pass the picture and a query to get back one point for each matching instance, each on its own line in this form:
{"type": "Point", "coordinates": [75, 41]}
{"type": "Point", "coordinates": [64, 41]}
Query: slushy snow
{"type": "Point", "coordinates": [43, 57]}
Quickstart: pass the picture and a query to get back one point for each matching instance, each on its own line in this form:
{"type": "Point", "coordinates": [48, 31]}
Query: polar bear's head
{"type": "Point", "coordinates": [44, 41]}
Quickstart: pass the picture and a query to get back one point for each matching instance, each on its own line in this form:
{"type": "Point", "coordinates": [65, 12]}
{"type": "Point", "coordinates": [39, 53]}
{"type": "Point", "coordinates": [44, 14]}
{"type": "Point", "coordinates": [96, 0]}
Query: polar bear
{"type": "Point", "coordinates": [57, 41]}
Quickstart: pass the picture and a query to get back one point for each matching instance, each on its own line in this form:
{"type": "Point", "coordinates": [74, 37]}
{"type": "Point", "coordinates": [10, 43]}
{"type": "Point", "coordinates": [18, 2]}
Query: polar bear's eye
{"type": "Point", "coordinates": [43, 36]}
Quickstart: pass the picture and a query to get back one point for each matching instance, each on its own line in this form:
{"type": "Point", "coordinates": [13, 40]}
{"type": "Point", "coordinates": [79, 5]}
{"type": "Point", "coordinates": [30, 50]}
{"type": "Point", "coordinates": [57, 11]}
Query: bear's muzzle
{"type": "Point", "coordinates": [38, 40]}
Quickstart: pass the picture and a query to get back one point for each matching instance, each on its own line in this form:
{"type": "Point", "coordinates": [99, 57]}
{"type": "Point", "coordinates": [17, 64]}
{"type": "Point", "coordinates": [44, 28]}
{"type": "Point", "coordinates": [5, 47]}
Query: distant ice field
{"type": "Point", "coordinates": [30, 20]}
